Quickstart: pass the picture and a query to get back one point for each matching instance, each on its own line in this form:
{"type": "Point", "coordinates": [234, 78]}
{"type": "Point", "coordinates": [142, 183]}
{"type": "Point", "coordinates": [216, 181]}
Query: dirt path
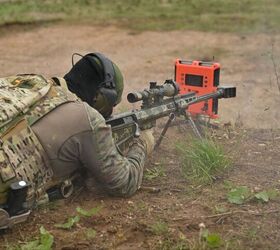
{"type": "Point", "coordinates": [149, 56]}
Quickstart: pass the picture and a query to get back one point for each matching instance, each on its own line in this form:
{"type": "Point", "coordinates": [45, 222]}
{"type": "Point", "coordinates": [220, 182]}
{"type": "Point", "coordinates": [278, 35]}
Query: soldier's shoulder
{"type": "Point", "coordinates": [93, 115]}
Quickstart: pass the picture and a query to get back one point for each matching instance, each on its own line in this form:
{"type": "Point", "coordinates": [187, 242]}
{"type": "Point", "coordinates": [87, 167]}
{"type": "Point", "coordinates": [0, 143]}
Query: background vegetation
{"type": "Point", "coordinates": [206, 15]}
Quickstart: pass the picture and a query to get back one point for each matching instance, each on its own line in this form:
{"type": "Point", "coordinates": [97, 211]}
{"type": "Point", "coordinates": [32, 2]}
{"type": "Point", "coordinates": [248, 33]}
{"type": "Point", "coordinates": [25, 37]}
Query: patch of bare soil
{"type": "Point", "coordinates": [149, 56]}
{"type": "Point", "coordinates": [168, 219]}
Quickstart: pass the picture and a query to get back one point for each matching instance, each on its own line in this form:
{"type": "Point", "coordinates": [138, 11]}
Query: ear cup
{"type": "Point", "coordinates": [108, 86]}
{"type": "Point", "coordinates": [110, 94]}
{"type": "Point", "coordinates": [102, 105]}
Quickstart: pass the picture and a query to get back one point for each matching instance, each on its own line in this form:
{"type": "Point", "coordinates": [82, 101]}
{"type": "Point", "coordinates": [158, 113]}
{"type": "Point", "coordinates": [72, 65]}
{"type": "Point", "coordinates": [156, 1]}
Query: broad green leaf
{"type": "Point", "coordinates": [45, 242]}
{"type": "Point", "coordinates": [213, 240]}
{"type": "Point", "coordinates": [46, 239]}
{"type": "Point", "coordinates": [69, 224]}
{"type": "Point", "coordinates": [90, 233]}
{"type": "Point", "coordinates": [238, 195]}
{"type": "Point", "coordinates": [263, 196]}
{"type": "Point", "coordinates": [203, 234]}
{"type": "Point", "coordinates": [31, 245]}
{"type": "Point", "coordinates": [88, 213]}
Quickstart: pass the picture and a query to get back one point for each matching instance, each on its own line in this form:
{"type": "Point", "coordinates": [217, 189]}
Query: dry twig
{"type": "Point", "coordinates": [230, 213]}
{"type": "Point", "coordinates": [274, 65]}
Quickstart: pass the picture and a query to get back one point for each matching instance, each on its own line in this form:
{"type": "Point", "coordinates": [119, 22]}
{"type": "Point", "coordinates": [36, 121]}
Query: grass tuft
{"type": "Point", "coordinates": [202, 159]}
{"type": "Point", "coordinates": [159, 228]}
{"type": "Point", "coordinates": [153, 173]}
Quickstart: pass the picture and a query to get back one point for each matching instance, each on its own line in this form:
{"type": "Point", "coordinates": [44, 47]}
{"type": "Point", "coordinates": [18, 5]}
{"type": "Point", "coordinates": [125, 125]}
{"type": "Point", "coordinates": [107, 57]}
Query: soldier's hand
{"type": "Point", "coordinates": [148, 138]}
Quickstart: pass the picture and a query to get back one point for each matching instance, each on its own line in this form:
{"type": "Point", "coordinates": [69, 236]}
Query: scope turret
{"type": "Point", "coordinates": [169, 89]}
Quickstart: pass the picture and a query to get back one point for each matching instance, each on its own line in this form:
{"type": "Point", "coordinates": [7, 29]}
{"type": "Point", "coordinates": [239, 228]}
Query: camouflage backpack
{"type": "Point", "coordinates": [23, 100]}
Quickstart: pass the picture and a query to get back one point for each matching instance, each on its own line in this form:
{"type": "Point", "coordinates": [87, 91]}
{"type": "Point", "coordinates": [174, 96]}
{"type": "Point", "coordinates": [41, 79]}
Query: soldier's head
{"type": "Point", "coordinates": [96, 80]}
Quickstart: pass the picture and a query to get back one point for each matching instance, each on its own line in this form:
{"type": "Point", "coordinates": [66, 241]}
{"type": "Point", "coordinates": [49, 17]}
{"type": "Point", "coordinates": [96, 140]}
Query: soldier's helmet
{"type": "Point", "coordinates": [96, 80]}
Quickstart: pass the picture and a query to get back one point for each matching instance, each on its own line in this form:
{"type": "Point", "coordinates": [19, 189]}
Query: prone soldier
{"type": "Point", "coordinates": [52, 130]}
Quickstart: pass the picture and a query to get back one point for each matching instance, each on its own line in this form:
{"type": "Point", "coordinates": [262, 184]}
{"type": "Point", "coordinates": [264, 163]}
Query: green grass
{"type": "Point", "coordinates": [159, 228]}
{"type": "Point", "coordinates": [154, 173]}
{"type": "Point", "coordinates": [205, 15]}
{"type": "Point", "coordinates": [202, 159]}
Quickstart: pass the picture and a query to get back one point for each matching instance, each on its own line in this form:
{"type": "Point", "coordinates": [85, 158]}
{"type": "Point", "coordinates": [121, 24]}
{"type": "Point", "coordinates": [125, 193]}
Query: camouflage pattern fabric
{"type": "Point", "coordinates": [18, 94]}
{"type": "Point", "coordinates": [83, 141]}
{"type": "Point", "coordinates": [23, 100]}
{"type": "Point", "coordinates": [23, 158]}
{"type": "Point", "coordinates": [120, 176]}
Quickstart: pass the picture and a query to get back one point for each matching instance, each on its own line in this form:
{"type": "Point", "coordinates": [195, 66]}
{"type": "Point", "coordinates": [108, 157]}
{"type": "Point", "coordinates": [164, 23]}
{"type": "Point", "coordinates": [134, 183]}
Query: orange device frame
{"type": "Point", "coordinates": [201, 78]}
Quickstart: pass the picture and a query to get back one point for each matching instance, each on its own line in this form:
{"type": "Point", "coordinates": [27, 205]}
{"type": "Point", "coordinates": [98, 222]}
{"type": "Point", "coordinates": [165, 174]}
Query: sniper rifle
{"type": "Point", "coordinates": [157, 102]}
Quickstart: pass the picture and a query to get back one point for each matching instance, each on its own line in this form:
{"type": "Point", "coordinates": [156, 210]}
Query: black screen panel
{"type": "Point", "coordinates": [216, 77]}
{"type": "Point", "coordinates": [194, 80]}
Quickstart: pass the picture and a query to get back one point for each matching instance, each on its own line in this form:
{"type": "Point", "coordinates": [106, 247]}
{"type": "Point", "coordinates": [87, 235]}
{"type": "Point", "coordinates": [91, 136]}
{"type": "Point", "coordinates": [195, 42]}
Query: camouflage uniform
{"type": "Point", "coordinates": [76, 136]}
{"type": "Point", "coordinates": [53, 135]}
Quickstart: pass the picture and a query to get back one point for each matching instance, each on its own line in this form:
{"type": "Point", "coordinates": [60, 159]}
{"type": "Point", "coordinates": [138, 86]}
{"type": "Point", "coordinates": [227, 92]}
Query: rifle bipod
{"type": "Point", "coordinates": [163, 132]}
{"type": "Point", "coordinates": [171, 118]}
{"type": "Point", "coordinates": [193, 125]}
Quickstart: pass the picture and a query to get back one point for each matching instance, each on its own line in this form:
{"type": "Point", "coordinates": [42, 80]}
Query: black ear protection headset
{"type": "Point", "coordinates": [108, 86]}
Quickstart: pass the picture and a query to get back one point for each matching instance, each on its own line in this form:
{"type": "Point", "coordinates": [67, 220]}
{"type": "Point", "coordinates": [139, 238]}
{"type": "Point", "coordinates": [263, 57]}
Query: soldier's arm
{"type": "Point", "coordinates": [117, 174]}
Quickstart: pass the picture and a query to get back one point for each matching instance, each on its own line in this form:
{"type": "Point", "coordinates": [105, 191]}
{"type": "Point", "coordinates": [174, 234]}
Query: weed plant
{"type": "Point", "coordinates": [159, 228]}
{"type": "Point", "coordinates": [202, 159]}
{"type": "Point", "coordinates": [153, 173]}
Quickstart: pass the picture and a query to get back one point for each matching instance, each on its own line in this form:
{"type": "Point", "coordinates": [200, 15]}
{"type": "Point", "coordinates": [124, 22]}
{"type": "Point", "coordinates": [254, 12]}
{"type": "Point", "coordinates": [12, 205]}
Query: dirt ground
{"type": "Point", "coordinates": [249, 62]}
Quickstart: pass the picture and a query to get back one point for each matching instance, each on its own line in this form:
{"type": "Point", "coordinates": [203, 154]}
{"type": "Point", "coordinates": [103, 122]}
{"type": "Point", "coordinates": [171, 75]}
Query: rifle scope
{"type": "Point", "coordinates": [169, 88]}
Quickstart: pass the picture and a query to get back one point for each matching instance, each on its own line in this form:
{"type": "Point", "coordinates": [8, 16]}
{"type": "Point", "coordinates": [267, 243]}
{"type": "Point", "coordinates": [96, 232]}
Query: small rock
{"type": "Point", "coordinates": [226, 136]}
{"type": "Point", "coordinates": [112, 230]}
{"type": "Point", "coordinates": [156, 163]}
{"type": "Point", "coordinates": [202, 225]}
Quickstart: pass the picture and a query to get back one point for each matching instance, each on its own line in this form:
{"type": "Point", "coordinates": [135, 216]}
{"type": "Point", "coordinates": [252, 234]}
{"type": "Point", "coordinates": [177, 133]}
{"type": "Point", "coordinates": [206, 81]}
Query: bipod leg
{"type": "Point", "coordinates": [194, 127]}
{"type": "Point", "coordinates": [163, 132]}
